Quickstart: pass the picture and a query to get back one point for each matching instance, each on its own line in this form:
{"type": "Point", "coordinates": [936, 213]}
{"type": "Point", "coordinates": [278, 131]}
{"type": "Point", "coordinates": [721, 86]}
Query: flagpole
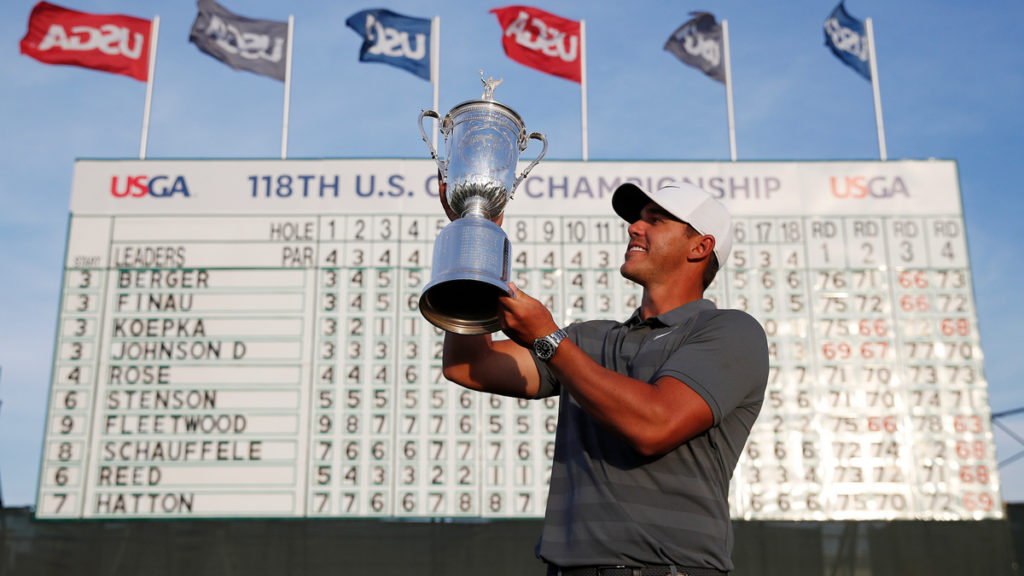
{"type": "Point", "coordinates": [874, 88]}
{"type": "Point", "coordinates": [435, 66]}
{"type": "Point", "coordinates": [728, 89]}
{"type": "Point", "coordinates": [583, 86]}
{"type": "Point", "coordinates": [155, 33]}
{"type": "Point", "coordinates": [287, 88]}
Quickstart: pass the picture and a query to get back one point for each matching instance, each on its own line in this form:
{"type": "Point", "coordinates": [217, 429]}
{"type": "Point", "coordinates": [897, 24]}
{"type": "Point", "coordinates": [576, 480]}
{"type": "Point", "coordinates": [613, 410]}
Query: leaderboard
{"type": "Point", "coordinates": [241, 338]}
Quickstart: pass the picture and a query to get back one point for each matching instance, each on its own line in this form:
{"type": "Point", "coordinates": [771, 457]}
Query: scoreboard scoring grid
{"type": "Point", "coordinates": [227, 350]}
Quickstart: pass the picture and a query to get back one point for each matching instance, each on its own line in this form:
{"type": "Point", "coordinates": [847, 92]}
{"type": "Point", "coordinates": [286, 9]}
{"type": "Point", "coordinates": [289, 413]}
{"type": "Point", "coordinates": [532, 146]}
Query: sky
{"type": "Point", "coordinates": [951, 76]}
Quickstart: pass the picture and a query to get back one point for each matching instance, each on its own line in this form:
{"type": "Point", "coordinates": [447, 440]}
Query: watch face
{"type": "Point", "coordinates": [544, 349]}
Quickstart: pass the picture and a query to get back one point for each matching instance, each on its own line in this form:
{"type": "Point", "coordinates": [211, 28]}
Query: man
{"type": "Point", "coordinates": [654, 412]}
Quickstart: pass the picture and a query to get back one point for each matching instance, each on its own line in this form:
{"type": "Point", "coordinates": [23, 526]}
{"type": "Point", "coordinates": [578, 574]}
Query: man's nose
{"type": "Point", "coordinates": [636, 227]}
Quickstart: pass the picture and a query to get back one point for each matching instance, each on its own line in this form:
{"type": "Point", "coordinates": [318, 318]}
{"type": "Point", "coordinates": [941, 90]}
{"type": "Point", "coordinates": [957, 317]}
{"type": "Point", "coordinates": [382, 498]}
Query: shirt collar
{"type": "Point", "coordinates": [675, 316]}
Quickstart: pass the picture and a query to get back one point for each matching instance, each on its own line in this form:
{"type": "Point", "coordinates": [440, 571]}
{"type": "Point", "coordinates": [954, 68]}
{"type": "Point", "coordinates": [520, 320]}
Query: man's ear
{"type": "Point", "coordinates": [703, 248]}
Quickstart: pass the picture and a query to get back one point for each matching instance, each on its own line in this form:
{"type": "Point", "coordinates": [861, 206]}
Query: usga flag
{"type": "Point", "coordinates": [541, 40]}
{"type": "Point", "coordinates": [698, 43]}
{"type": "Point", "coordinates": [259, 46]}
{"type": "Point", "coordinates": [846, 37]}
{"type": "Point", "coordinates": [394, 39]}
{"type": "Point", "coordinates": [109, 42]}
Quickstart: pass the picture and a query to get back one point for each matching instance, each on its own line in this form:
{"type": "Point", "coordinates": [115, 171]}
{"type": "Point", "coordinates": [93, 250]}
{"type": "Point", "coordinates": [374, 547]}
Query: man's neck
{"type": "Point", "coordinates": [651, 305]}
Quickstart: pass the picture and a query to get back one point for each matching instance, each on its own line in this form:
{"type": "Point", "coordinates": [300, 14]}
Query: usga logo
{"type": "Point", "coordinates": [139, 186]}
{"type": "Point", "coordinates": [392, 42]}
{"type": "Point", "coordinates": [863, 187]}
{"type": "Point", "coordinates": [108, 39]}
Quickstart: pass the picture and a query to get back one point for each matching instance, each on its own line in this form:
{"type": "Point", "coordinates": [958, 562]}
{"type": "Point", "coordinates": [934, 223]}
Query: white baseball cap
{"type": "Point", "coordinates": [693, 205]}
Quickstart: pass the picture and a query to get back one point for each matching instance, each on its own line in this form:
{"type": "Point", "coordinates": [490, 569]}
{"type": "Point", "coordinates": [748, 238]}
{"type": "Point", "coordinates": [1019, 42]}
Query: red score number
{"type": "Point", "coordinates": [983, 501]}
{"type": "Point", "coordinates": [968, 423]}
{"type": "Point", "coordinates": [974, 474]}
{"type": "Point", "coordinates": [955, 327]}
{"type": "Point", "coordinates": [836, 350]}
{"type": "Point", "coordinates": [869, 327]}
{"type": "Point", "coordinates": [843, 351]}
{"type": "Point", "coordinates": [886, 424]}
{"type": "Point", "coordinates": [913, 279]}
{"type": "Point", "coordinates": [911, 303]}
{"type": "Point", "coordinates": [971, 449]}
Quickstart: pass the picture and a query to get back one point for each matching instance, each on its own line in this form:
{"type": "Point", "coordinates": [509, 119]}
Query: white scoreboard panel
{"type": "Point", "coordinates": [241, 339]}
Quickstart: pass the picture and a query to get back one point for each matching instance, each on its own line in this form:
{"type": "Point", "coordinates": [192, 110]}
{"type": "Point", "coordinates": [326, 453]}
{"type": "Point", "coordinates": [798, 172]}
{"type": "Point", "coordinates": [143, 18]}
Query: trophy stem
{"type": "Point", "coordinates": [475, 207]}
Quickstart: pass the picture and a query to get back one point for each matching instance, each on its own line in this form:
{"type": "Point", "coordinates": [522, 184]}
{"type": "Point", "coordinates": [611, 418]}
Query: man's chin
{"type": "Point", "coordinates": [628, 274]}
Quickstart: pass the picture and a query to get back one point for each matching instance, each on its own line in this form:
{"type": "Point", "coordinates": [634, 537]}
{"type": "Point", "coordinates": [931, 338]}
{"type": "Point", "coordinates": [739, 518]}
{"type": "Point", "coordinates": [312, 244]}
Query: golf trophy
{"type": "Point", "coordinates": [472, 254]}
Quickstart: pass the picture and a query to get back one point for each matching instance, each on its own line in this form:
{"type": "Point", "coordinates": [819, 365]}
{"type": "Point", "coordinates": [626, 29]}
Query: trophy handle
{"type": "Point", "coordinates": [433, 153]}
{"type": "Point", "coordinates": [543, 151]}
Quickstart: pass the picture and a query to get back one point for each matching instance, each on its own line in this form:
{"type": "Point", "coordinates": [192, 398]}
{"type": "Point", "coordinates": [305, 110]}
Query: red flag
{"type": "Point", "coordinates": [109, 42]}
{"type": "Point", "coordinates": [541, 40]}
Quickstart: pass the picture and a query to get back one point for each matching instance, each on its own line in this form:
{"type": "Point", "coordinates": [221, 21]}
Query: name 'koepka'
{"type": "Point", "coordinates": [158, 327]}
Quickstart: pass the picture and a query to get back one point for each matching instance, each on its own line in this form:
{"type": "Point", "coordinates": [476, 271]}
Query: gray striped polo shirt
{"type": "Point", "coordinates": [609, 505]}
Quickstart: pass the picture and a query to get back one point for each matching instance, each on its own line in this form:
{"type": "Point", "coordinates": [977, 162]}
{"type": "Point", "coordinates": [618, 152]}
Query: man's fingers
{"type": "Point", "coordinates": [513, 292]}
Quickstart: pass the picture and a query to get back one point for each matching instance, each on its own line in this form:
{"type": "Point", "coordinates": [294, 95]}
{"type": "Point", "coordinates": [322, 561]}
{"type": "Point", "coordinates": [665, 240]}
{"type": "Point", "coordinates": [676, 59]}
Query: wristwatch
{"type": "Point", "coordinates": [544, 348]}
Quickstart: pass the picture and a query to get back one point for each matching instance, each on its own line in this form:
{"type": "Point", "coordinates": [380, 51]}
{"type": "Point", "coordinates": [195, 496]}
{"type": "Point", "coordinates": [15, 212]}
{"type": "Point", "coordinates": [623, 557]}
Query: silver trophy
{"type": "Point", "coordinates": [472, 254]}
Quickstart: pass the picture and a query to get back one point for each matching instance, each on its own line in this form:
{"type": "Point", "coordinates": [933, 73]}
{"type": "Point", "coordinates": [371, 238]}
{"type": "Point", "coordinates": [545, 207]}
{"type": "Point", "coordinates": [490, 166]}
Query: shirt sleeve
{"type": "Point", "coordinates": [724, 359]}
{"type": "Point", "coordinates": [549, 385]}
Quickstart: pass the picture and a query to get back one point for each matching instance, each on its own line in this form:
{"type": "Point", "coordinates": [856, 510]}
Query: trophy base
{"type": "Point", "coordinates": [471, 269]}
{"type": "Point", "coordinates": [463, 306]}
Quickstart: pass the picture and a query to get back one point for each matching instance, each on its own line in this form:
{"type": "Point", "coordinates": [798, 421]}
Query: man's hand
{"type": "Point", "coordinates": [523, 318]}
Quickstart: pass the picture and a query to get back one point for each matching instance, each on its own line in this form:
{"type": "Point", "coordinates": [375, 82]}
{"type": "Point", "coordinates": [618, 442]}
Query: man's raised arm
{"type": "Point", "coordinates": [480, 363]}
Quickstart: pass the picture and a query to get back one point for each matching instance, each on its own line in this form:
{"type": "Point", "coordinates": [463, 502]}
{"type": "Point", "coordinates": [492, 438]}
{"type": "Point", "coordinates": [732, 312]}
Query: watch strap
{"type": "Point", "coordinates": [545, 346]}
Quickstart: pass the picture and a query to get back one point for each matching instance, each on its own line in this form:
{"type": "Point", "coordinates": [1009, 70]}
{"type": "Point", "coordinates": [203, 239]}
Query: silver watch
{"type": "Point", "coordinates": [544, 348]}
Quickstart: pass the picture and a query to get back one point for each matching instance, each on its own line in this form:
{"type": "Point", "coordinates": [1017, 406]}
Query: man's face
{"type": "Point", "coordinates": [658, 244]}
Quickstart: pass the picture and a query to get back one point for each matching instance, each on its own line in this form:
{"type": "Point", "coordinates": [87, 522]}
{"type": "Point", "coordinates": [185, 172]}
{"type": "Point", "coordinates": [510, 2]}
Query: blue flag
{"type": "Point", "coordinates": [846, 37]}
{"type": "Point", "coordinates": [393, 39]}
